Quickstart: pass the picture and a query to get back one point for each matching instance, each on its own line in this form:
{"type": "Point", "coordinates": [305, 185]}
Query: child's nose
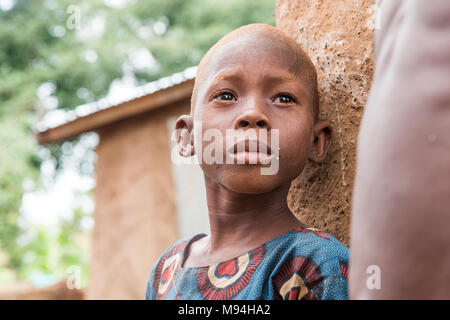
{"type": "Point", "coordinates": [252, 119]}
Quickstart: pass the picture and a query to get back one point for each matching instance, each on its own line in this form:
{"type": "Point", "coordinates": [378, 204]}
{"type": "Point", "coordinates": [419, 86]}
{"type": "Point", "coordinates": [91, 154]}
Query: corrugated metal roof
{"type": "Point", "coordinates": [85, 110]}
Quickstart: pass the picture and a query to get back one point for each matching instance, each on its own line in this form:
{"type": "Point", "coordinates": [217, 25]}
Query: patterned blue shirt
{"type": "Point", "coordinates": [303, 263]}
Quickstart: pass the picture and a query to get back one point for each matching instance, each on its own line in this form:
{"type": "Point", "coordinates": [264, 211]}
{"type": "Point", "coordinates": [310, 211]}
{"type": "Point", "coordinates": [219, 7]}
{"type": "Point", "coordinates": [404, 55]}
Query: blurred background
{"type": "Point", "coordinates": [63, 63]}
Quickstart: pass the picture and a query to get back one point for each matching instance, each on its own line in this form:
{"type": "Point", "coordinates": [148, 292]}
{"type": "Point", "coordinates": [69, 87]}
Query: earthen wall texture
{"type": "Point", "coordinates": [337, 35]}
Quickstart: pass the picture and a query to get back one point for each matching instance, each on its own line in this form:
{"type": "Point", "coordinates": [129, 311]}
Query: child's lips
{"type": "Point", "coordinates": [251, 152]}
{"type": "Point", "coordinates": [246, 157]}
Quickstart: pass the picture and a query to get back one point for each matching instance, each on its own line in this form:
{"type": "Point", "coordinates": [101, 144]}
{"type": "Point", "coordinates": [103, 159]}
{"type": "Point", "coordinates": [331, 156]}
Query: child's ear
{"type": "Point", "coordinates": [322, 141]}
{"type": "Point", "coordinates": [184, 134]}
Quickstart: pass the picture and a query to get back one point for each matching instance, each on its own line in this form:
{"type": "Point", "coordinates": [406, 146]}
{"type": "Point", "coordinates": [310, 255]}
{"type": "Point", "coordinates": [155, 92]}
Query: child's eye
{"type": "Point", "coordinates": [225, 95]}
{"type": "Point", "coordinates": [284, 98]}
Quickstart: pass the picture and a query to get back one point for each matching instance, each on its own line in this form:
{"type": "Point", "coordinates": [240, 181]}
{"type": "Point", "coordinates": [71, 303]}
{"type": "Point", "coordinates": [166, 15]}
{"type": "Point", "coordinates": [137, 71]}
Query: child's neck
{"type": "Point", "coordinates": [243, 221]}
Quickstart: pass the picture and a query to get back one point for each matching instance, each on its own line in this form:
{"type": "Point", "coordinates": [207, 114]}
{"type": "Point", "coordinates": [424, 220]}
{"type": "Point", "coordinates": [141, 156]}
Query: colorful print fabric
{"type": "Point", "coordinates": [303, 263]}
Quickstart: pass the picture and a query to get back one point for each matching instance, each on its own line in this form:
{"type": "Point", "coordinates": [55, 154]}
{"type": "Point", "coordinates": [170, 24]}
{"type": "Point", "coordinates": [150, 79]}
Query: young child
{"type": "Point", "coordinates": [254, 79]}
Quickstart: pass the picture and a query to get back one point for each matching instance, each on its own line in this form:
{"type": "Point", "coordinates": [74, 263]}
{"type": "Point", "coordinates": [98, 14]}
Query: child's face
{"type": "Point", "coordinates": [248, 85]}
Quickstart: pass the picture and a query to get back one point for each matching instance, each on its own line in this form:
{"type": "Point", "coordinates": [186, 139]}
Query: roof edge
{"type": "Point", "coordinates": [99, 118]}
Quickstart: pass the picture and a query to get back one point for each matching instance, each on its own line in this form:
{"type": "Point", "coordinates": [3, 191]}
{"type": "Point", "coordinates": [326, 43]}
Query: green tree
{"type": "Point", "coordinates": [38, 45]}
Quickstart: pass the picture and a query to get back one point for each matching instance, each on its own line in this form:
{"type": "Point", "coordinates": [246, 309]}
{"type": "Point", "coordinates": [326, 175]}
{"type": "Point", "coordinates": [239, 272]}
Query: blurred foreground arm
{"type": "Point", "coordinates": [401, 204]}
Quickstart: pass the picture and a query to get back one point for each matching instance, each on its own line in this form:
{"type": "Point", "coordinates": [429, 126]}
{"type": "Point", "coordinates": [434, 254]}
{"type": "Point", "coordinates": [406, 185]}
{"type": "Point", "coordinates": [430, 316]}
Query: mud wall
{"type": "Point", "coordinates": [135, 214]}
{"type": "Point", "coordinates": [337, 35]}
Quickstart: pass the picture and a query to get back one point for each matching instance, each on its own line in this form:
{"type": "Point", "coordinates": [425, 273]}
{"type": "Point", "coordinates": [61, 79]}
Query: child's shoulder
{"type": "Point", "coordinates": [306, 257]}
{"type": "Point", "coordinates": [321, 247]}
{"type": "Point", "coordinates": [178, 247]}
{"type": "Point", "coordinates": [170, 259]}
{"type": "Point", "coordinates": [313, 237]}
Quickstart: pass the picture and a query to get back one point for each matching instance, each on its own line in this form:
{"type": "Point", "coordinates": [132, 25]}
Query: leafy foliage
{"type": "Point", "coordinates": [38, 46]}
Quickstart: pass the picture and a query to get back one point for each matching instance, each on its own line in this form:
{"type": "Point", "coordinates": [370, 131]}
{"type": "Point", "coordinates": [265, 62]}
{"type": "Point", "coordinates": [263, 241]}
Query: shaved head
{"type": "Point", "coordinates": [258, 36]}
